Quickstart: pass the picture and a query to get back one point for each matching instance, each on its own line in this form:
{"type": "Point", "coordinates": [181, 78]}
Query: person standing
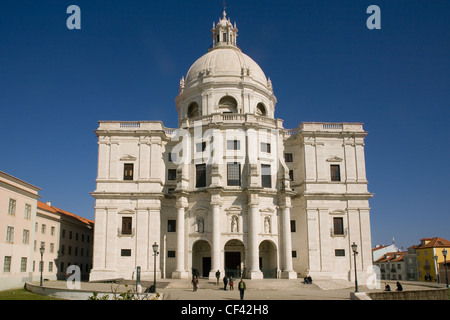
{"type": "Point", "coordinates": [217, 276]}
{"type": "Point", "coordinates": [231, 283]}
{"type": "Point", "coordinates": [225, 282]}
{"type": "Point", "coordinates": [242, 288]}
{"type": "Point", "coordinates": [195, 283]}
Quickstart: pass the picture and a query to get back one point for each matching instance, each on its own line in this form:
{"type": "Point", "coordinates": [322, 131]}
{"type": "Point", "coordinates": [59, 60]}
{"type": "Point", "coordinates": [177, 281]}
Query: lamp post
{"type": "Point", "coordinates": [444, 252]}
{"type": "Point", "coordinates": [354, 248]}
{"type": "Point", "coordinates": [41, 250]}
{"type": "Point", "coordinates": [155, 253]}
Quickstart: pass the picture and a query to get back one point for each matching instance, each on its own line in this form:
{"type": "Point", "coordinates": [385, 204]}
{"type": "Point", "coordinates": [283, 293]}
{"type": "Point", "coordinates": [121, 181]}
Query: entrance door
{"type": "Point", "coordinates": [206, 266]}
{"type": "Point", "coordinates": [233, 263]}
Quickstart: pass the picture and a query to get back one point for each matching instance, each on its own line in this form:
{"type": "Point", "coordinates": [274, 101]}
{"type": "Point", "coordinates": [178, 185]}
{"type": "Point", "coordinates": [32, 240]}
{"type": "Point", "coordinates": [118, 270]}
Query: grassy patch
{"type": "Point", "coordinates": [22, 294]}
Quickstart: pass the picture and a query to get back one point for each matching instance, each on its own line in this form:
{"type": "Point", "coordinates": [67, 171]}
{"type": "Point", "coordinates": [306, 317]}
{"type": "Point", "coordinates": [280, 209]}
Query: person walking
{"type": "Point", "coordinates": [242, 288]}
{"type": "Point", "coordinates": [194, 283]}
{"type": "Point", "coordinates": [231, 283]}
{"type": "Point", "coordinates": [217, 276]}
{"type": "Point", "coordinates": [225, 282]}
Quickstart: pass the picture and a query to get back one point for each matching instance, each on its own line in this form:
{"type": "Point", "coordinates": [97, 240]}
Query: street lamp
{"type": "Point", "coordinates": [444, 252]}
{"type": "Point", "coordinates": [155, 253]}
{"type": "Point", "coordinates": [41, 250]}
{"type": "Point", "coordinates": [354, 248]}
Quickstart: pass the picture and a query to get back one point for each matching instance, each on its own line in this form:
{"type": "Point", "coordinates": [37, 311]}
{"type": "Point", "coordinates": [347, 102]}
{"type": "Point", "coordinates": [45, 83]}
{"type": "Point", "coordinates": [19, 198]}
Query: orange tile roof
{"type": "Point", "coordinates": [434, 243]}
{"type": "Point", "coordinates": [392, 256]}
{"type": "Point", "coordinates": [53, 209]}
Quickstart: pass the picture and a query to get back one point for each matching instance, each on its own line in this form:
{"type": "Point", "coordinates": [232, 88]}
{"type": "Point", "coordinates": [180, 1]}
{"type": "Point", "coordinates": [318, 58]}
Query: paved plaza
{"type": "Point", "coordinates": [267, 289]}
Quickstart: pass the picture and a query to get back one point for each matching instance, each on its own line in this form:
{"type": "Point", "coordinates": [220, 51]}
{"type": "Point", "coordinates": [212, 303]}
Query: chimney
{"type": "Point", "coordinates": [49, 203]}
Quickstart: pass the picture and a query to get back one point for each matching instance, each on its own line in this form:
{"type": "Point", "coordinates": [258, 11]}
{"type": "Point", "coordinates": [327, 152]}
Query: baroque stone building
{"type": "Point", "coordinates": [230, 189]}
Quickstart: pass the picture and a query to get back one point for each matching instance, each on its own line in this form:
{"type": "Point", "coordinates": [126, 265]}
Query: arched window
{"type": "Point", "coordinates": [193, 110]}
{"type": "Point", "coordinates": [261, 110]}
{"type": "Point", "coordinates": [228, 105]}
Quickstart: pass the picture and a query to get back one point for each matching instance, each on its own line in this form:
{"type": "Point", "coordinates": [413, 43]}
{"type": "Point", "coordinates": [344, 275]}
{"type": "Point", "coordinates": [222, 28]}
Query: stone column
{"type": "Point", "coordinates": [154, 229]}
{"type": "Point", "coordinates": [215, 248]}
{"type": "Point", "coordinates": [142, 234]}
{"type": "Point", "coordinates": [180, 272]}
{"type": "Point", "coordinates": [288, 272]}
{"type": "Point", "coordinates": [100, 234]}
{"type": "Point", "coordinates": [253, 245]}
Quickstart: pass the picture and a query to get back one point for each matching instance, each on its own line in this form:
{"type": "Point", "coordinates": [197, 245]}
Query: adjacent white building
{"type": "Point", "coordinates": [230, 189]}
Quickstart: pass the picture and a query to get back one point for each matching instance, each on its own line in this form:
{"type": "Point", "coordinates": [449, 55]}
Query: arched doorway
{"type": "Point", "coordinates": [201, 258]}
{"type": "Point", "coordinates": [234, 258]}
{"type": "Point", "coordinates": [268, 262]}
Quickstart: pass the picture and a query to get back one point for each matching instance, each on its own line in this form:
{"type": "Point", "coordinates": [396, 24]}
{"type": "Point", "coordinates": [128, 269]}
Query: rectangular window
{"type": "Point", "coordinates": [171, 225]}
{"type": "Point", "coordinates": [23, 264]}
{"type": "Point", "coordinates": [200, 180]}
{"type": "Point", "coordinates": [170, 254]}
{"type": "Point", "coordinates": [291, 175]}
{"type": "Point", "coordinates": [338, 226]}
{"type": "Point", "coordinates": [224, 37]}
{"type": "Point", "coordinates": [171, 174]}
{"type": "Point", "coordinates": [128, 171]}
{"type": "Point", "coordinates": [125, 252]}
{"type": "Point", "coordinates": [266, 177]}
{"type": "Point", "coordinates": [293, 226]}
{"type": "Point", "coordinates": [233, 145]}
{"type": "Point", "coordinates": [27, 214]}
{"type": "Point", "coordinates": [127, 225]}
{"type": "Point", "coordinates": [234, 174]}
{"type": "Point", "coordinates": [26, 236]}
{"type": "Point", "coordinates": [288, 157]}
{"type": "Point", "coordinates": [294, 254]}
{"type": "Point", "coordinates": [335, 172]}
{"type": "Point", "coordinates": [10, 234]}
{"type": "Point", "coordinates": [265, 147]}
{"type": "Point", "coordinates": [43, 228]}
{"type": "Point", "coordinates": [7, 264]}
{"type": "Point", "coordinates": [200, 147]}
{"type": "Point", "coordinates": [339, 252]}
{"type": "Point", "coordinates": [12, 207]}
{"type": "Point", "coordinates": [172, 157]}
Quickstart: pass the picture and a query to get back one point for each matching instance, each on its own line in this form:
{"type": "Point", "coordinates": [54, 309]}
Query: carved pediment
{"type": "Point", "coordinates": [233, 209]}
{"type": "Point", "coordinates": [267, 210]}
{"type": "Point", "coordinates": [126, 211]}
{"type": "Point", "coordinates": [334, 159]}
{"type": "Point", "coordinates": [128, 157]}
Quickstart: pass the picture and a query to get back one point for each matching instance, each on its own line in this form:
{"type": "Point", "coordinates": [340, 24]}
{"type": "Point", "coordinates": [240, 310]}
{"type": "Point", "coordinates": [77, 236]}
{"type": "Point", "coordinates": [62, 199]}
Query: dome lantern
{"type": "Point", "coordinates": [224, 33]}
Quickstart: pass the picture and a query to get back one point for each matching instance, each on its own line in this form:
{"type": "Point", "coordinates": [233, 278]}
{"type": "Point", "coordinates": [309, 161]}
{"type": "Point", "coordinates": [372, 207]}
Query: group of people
{"type": "Point", "coordinates": [387, 287]}
{"type": "Point", "coordinates": [227, 280]}
{"type": "Point", "coordinates": [307, 280]}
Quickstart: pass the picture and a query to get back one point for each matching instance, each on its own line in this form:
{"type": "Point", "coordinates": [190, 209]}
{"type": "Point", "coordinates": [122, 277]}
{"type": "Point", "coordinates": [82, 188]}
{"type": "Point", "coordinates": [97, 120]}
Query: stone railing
{"type": "Point", "coordinates": [233, 118]}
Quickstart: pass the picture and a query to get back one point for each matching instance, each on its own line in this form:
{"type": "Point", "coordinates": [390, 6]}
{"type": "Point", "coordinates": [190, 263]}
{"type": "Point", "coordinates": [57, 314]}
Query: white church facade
{"type": "Point", "coordinates": [230, 189]}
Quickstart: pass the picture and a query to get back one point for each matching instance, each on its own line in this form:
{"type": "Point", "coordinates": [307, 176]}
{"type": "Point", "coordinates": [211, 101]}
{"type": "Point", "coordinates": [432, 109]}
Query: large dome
{"type": "Point", "coordinates": [227, 62]}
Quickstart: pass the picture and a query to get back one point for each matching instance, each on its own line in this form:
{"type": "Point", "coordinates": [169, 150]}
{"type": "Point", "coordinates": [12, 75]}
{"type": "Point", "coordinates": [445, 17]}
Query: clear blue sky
{"type": "Point", "coordinates": [325, 65]}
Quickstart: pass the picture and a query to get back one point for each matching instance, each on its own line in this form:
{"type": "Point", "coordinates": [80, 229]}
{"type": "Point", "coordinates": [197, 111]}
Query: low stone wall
{"type": "Point", "coordinates": [69, 294]}
{"type": "Point", "coordinates": [429, 294]}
